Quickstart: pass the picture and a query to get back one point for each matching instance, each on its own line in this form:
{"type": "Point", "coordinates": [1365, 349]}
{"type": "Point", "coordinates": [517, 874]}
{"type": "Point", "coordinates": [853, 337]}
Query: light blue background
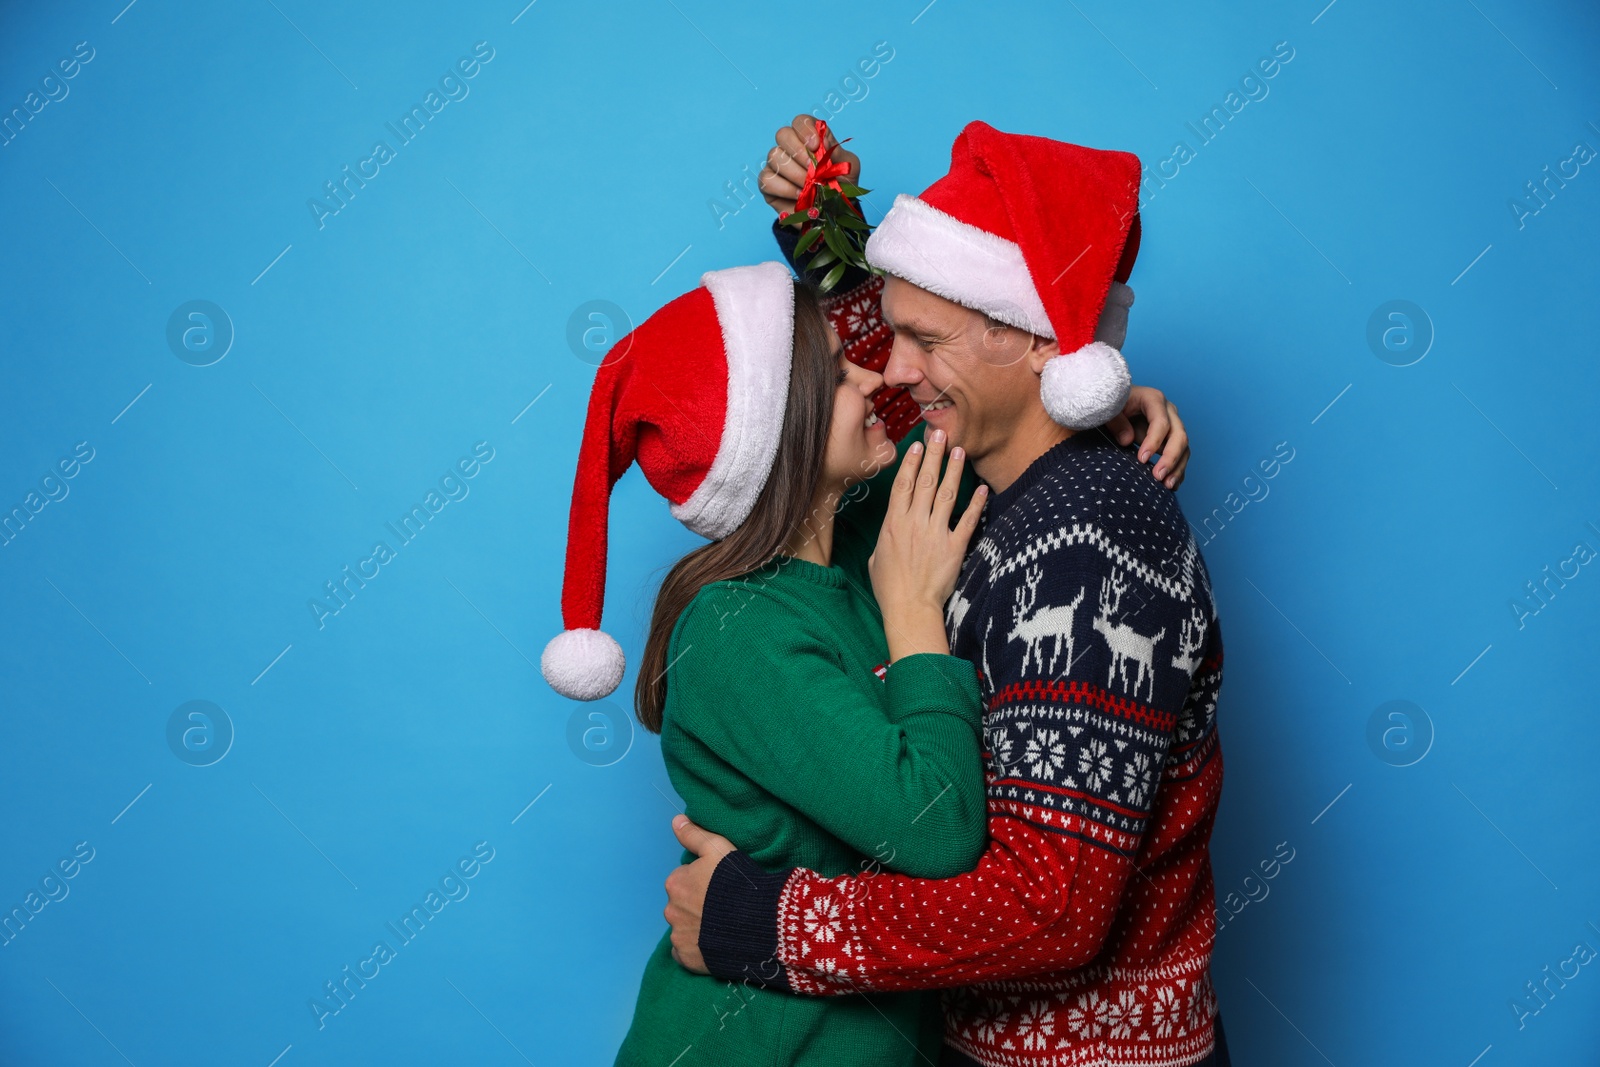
{"type": "Point", "coordinates": [429, 312]}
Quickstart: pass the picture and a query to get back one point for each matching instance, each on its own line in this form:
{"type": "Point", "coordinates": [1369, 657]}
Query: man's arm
{"type": "Point", "coordinates": [1080, 760]}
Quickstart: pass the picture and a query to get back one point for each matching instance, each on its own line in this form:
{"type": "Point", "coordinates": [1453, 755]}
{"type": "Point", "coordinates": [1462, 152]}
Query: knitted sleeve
{"type": "Point", "coordinates": [772, 698]}
{"type": "Point", "coordinates": [1080, 720]}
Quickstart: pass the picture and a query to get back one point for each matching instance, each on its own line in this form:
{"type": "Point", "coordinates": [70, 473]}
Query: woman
{"type": "Point", "coordinates": [807, 703]}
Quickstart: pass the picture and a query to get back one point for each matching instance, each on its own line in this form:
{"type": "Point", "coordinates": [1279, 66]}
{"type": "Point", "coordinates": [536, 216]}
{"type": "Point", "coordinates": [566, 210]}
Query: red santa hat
{"type": "Point", "coordinates": [1041, 235]}
{"type": "Point", "coordinates": [696, 394]}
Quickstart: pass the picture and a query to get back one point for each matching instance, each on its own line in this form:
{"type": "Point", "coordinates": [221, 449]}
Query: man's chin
{"type": "Point", "coordinates": [947, 420]}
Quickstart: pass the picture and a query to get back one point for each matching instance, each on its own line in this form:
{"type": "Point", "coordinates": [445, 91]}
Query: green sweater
{"type": "Point", "coordinates": [780, 734]}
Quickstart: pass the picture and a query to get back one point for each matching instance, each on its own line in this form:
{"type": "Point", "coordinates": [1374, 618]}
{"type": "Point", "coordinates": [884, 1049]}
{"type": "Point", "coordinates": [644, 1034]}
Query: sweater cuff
{"type": "Point", "coordinates": [932, 681]}
{"type": "Point", "coordinates": [739, 923]}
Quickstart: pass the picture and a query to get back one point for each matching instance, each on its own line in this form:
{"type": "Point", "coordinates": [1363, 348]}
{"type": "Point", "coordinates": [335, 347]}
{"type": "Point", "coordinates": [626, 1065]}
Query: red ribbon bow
{"type": "Point", "coordinates": [821, 171]}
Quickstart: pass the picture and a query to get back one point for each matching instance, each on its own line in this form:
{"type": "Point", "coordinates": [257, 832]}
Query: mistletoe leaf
{"type": "Point", "coordinates": [821, 259]}
{"type": "Point", "coordinates": [836, 242]}
{"type": "Point", "coordinates": [808, 240]}
{"type": "Point", "coordinates": [833, 277]}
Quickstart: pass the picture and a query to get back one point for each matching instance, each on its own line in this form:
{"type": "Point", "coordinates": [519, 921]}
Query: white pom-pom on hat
{"type": "Point", "coordinates": [583, 664]}
{"type": "Point", "coordinates": [1086, 388]}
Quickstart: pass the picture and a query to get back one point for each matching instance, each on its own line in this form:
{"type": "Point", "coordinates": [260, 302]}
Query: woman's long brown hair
{"type": "Point", "coordinates": [784, 502]}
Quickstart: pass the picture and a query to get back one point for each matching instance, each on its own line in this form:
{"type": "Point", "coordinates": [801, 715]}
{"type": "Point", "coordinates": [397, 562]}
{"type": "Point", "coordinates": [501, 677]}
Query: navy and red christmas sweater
{"type": "Point", "coordinates": [1084, 935]}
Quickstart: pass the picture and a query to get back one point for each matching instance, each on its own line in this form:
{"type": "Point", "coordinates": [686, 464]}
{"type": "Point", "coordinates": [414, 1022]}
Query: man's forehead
{"type": "Point", "coordinates": [936, 317]}
{"type": "Point", "coordinates": [909, 319]}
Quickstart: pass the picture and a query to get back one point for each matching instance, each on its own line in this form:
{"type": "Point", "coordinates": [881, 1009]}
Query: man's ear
{"type": "Point", "coordinates": [1043, 351]}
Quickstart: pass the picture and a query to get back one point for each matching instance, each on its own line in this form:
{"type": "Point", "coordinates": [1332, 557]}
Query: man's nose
{"type": "Point", "coordinates": [905, 364]}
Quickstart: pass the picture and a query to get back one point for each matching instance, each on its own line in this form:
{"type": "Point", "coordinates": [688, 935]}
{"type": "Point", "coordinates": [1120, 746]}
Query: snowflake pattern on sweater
{"type": "Point", "coordinates": [1084, 935]}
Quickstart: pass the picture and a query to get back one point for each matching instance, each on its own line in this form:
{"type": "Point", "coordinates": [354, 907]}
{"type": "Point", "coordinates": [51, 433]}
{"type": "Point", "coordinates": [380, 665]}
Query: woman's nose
{"type": "Point", "coordinates": [869, 381]}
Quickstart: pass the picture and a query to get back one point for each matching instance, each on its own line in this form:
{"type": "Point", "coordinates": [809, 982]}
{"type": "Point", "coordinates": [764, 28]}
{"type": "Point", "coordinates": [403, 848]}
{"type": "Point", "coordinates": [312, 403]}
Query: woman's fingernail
{"type": "Point", "coordinates": [983, 490]}
{"type": "Point", "coordinates": [955, 453]}
{"type": "Point", "coordinates": [916, 446]}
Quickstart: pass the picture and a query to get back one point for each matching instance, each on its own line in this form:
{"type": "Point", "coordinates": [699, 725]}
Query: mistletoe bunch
{"type": "Point", "coordinates": [831, 226]}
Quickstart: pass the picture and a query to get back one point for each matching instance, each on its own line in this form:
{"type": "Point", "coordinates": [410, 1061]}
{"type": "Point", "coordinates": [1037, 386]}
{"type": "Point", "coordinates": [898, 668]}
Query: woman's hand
{"type": "Point", "coordinates": [1163, 432]}
{"type": "Point", "coordinates": [918, 556]}
{"type": "Point", "coordinates": [785, 171]}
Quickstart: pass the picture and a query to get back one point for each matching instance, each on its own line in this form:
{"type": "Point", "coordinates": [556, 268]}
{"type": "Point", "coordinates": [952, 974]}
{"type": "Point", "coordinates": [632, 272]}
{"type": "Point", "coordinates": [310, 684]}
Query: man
{"type": "Point", "coordinates": [1084, 935]}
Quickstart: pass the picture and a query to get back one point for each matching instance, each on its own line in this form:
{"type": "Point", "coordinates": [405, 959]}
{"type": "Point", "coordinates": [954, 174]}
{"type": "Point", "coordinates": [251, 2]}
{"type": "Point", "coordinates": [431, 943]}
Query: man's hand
{"type": "Point", "coordinates": [686, 890]}
{"type": "Point", "coordinates": [785, 171]}
{"type": "Point", "coordinates": [1164, 433]}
